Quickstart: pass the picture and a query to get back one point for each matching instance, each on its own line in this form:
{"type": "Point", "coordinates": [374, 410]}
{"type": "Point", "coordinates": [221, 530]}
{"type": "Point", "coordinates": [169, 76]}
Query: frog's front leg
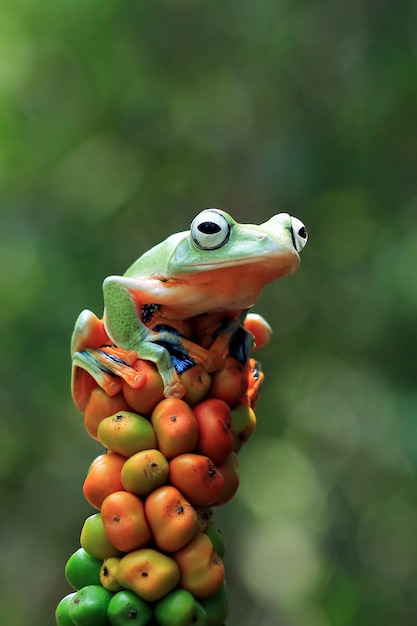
{"type": "Point", "coordinates": [88, 333]}
{"type": "Point", "coordinates": [122, 296]}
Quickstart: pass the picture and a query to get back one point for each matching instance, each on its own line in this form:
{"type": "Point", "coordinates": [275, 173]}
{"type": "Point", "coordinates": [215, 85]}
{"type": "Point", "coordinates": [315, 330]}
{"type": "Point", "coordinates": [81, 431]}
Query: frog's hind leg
{"type": "Point", "coordinates": [229, 337]}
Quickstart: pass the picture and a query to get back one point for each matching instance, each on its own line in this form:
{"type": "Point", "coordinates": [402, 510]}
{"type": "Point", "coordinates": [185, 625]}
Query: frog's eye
{"type": "Point", "coordinates": [210, 229]}
{"type": "Point", "coordinates": [299, 233]}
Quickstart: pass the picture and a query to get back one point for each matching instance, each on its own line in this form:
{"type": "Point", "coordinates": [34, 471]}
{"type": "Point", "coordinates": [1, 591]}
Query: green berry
{"type": "Point", "coordinates": [127, 608]}
{"type": "Point", "coordinates": [216, 538]}
{"type": "Point", "coordinates": [62, 616]}
{"type": "Point", "coordinates": [180, 608]}
{"type": "Point", "coordinates": [216, 606]}
{"type": "Point", "coordinates": [88, 606]}
{"type": "Point", "coordinates": [82, 569]}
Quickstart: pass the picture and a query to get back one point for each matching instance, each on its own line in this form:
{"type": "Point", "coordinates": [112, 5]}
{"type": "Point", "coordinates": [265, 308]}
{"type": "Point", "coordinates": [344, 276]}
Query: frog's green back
{"type": "Point", "coordinates": [156, 260]}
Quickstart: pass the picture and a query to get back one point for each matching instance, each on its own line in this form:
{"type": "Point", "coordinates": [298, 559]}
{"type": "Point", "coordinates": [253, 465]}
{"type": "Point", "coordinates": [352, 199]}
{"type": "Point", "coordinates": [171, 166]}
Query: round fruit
{"type": "Point", "coordinates": [216, 606]}
{"type": "Point", "coordinates": [175, 427]}
{"type": "Point", "coordinates": [197, 478]}
{"type": "Point", "coordinates": [103, 478]}
{"type": "Point", "coordinates": [172, 519]}
{"type": "Point", "coordinates": [197, 382]}
{"type": "Point", "coordinates": [216, 538]}
{"type": "Point", "coordinates": [200, 615]}
{"type": "Point", "coordinates": [144, 399]}
{"type": "Point", "coordinates": [62, 616]}
{"type": "Point", "coordinates": [108, 574]}
{"type": "Point", "coordinates": [201, 568]}
{"type": "Point", "coordinates": [215, 436]}
{"type": "Point", "coordinates": [124, 521]}
{"type": "Point", "coordinates": [82, 569]}
{"type": "Point", "coordinates": [100, 406]}
{"type": "Point", "coordinates": [127, 608]}
{"type": "Point", "coordinates": [180, 608]}
{"type": "Point", "coordinates": [244, 422]}
{"type": "Point", "coordinates": [229, 469]}
{"type": "Point", "coordinates": [148, 573]}
{"type": "Point", "coordinates": [231, 382]}
{"type": "Point", "coordinates": [145, 471]}
{"type": "Point", "coordinates": [88, 606]}
{"type": "Point", "coordinates": [126, 433]}
{"type": "Point", "coordinates": [94, 540]}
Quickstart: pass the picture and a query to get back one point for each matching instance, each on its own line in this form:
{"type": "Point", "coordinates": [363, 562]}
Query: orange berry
{"type": "Point", "coordinates": [231, 382]}
{"type": "Point", "coordinates": [103, 478]}
{"type": "Point", "coordinates": [229, 469]}
{"type": "Point", "coordinates": [172, 519]}
{"type": "Point", "coordinates": [197, 382]}
{"type": "Point", "coordinates": [100, 406]}
{"type": "Point", "coordinates": [144, 399]}
{"type": "Point", "coordinates": [197, 478]}
{"type": "Point", "coordinates": [175, 427]}
{"type": "Point", "coordinates": [124, 521]}
{"type": "Point", "coordinates": [215, 436]}
{"type": "Point", "coordinates": [201, 568]}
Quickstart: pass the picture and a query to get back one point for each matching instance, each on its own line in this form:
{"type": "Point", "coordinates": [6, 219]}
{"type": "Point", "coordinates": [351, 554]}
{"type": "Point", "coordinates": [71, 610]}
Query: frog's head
{"type": "Point", "coordinates": [218, 265]}
{"type": "Point", "coordinates": [216, 241]}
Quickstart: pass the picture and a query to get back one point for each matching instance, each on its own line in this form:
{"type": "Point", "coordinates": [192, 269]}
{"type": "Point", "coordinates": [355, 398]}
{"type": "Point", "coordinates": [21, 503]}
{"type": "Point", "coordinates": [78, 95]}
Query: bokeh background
{"type": "Point", "coordinates": [119, 121]}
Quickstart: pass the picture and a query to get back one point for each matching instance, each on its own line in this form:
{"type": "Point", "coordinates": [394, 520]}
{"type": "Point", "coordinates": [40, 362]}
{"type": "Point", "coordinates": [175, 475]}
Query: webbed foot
{"type": "Point", "coordinates": [174, 389]}
{"type": "Point", "coordinates": [86, 375]}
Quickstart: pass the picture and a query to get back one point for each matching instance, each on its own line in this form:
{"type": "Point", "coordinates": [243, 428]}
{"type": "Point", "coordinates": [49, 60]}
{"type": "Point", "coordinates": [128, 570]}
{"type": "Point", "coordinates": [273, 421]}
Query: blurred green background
{"type": "Point", "coordinates": [119, 121]}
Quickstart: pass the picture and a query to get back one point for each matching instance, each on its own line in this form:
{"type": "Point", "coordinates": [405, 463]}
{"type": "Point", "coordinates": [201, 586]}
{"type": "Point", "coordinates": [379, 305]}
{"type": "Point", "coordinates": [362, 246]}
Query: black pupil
{"type": "Point", "coordinates": [302, 232]}
{"type": "Point", "coordinates": [208, 228]}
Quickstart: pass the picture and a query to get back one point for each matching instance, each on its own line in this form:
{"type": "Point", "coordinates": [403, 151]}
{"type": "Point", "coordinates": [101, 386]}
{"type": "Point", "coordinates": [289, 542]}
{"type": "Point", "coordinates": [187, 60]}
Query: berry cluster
{"type": "Point", "coordinates": [150, 553]}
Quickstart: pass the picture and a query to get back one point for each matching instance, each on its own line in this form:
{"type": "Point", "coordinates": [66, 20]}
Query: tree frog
{"type": "Point", "coordinates": [197, 283]}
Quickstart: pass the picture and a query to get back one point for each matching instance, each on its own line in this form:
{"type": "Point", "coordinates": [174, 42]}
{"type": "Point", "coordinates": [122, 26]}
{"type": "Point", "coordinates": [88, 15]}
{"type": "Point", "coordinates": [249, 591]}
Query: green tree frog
{"type": "Point", "coordinates": [196, 284]}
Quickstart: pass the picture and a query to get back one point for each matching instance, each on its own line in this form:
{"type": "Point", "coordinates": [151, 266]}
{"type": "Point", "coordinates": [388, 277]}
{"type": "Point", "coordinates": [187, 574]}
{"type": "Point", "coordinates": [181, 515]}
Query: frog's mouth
{"type": "Point", "coordinates": [224, 287]}
{"type": "Point", "coordinates": [281, 263]}
{"type": "Point", "coordinates": [263, 268]}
